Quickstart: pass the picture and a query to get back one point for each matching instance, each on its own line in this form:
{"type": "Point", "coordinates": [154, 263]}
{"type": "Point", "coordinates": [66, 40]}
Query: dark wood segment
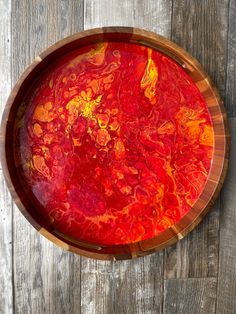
{"type": "Point", "coordinates": [219, 162]}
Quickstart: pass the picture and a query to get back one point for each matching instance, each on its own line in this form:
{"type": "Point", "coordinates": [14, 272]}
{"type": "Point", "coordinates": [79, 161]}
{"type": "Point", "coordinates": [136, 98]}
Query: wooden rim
{"type": "Point", "coordinates": [219, 161]}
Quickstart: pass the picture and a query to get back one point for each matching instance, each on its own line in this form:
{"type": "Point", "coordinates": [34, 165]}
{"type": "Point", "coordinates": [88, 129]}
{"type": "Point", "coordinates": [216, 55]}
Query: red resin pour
{"type": "Point", "coordinates": [115, 143]}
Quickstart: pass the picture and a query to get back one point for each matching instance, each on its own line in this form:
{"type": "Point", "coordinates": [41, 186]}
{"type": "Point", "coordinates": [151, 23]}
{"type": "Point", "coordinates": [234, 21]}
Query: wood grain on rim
{"type": "Point", "coordinates": [219, 162]}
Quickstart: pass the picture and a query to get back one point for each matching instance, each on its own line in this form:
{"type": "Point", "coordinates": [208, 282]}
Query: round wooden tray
{"type": "Point", "coordinates": [220, 154]}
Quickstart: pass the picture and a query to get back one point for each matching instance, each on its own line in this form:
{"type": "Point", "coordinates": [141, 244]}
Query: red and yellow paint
{"type": "Point", "coordinates": [116, 143]}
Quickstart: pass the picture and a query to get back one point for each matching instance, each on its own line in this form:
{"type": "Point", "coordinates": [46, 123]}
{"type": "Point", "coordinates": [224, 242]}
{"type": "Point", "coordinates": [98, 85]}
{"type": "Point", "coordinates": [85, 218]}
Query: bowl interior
{"type": "Point", "coordinates": [31, 203]}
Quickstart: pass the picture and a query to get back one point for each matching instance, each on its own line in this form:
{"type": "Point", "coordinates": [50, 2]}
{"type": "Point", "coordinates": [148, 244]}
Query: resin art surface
{"type": "Point", "coordinates": [115, 142]}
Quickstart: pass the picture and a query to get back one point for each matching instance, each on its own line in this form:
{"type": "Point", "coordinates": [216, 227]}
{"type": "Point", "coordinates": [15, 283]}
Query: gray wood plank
{"type": "Point", "coordinates": [193, 295]}
{"type": "Point", "coordinates": [6, 287]}
{"type": "Point", "coordinates": [201, 28]}
{"type": "Point", "coordinates": [231, 64]}
{"type": "Point", "coordinates": [134, 286]}
{"type": "Point", "coordinates": [47, 280]}
{"type": "Point", "coordinates": [197, 254]}
{"type": "Point", "coordinates": [226, 292]}
{"type": "Point", "coordinates": [154, 15]}
{"type": "Point", "coordinates": [131, 286]}
{"type": "Point", "coordinates": [138, 285]}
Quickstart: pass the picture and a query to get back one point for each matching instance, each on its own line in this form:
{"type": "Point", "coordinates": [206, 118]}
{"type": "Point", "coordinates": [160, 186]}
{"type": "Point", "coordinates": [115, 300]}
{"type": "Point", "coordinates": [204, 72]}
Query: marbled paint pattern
{"type": "Point", "coordinates": [116, 143]}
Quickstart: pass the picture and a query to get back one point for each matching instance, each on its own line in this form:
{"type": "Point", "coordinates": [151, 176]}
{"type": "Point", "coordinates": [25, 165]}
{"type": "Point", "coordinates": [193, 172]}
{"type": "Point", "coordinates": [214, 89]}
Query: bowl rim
{"type": "Point", "coordinates": [219, 161]}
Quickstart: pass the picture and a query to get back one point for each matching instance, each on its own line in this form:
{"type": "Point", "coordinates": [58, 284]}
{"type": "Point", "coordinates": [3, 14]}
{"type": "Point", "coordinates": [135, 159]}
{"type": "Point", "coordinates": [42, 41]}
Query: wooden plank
{"type": "Point", "coordinates": [231, 64]}
{"type": "Point", "coordinates": [193, 295]}
{"type": "Point", "coordinates": [134, 286]}
{"type": "Point", "coordinates": [200, 28]}
{"type": "Point", "coordinates": [226, 289]}
{"type": "Point", "coordinates": [226, 302]}
{"type": "Point", "coordinates": [47, 280]}
{"type": "Point", "coordinates": [6, 287]}
{"type": "Point", "coordinates": [197, 254]}
{"type": "Point", "coordinates": [129, 286]}
{"type": "Point", "coordinates": [151, 14]}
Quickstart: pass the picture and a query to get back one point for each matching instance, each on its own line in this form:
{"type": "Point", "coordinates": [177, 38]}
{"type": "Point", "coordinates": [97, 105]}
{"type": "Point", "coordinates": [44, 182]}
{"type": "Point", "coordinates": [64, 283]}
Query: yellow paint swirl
{"type": "Point", "coordinates": [82, 105]}
{"type": "Point", "coordinates": [149, 79]}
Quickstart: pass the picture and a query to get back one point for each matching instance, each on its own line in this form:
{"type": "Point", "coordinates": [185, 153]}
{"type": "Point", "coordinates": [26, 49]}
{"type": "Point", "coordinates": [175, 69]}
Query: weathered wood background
{"type": "Point", "coordinates": [198, 275]}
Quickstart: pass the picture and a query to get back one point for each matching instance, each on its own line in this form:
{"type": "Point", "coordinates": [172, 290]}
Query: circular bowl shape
{"type": "Point", "coordinates": [114, 143]}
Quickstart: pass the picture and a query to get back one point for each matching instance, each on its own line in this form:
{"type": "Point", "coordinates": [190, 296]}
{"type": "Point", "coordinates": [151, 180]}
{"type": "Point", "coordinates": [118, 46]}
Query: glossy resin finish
{"type": "Point", "coordinates": [116, 143]}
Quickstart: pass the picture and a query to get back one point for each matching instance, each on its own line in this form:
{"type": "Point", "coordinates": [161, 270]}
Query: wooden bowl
{"type": "Point", "coordinates": [219, 160]}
